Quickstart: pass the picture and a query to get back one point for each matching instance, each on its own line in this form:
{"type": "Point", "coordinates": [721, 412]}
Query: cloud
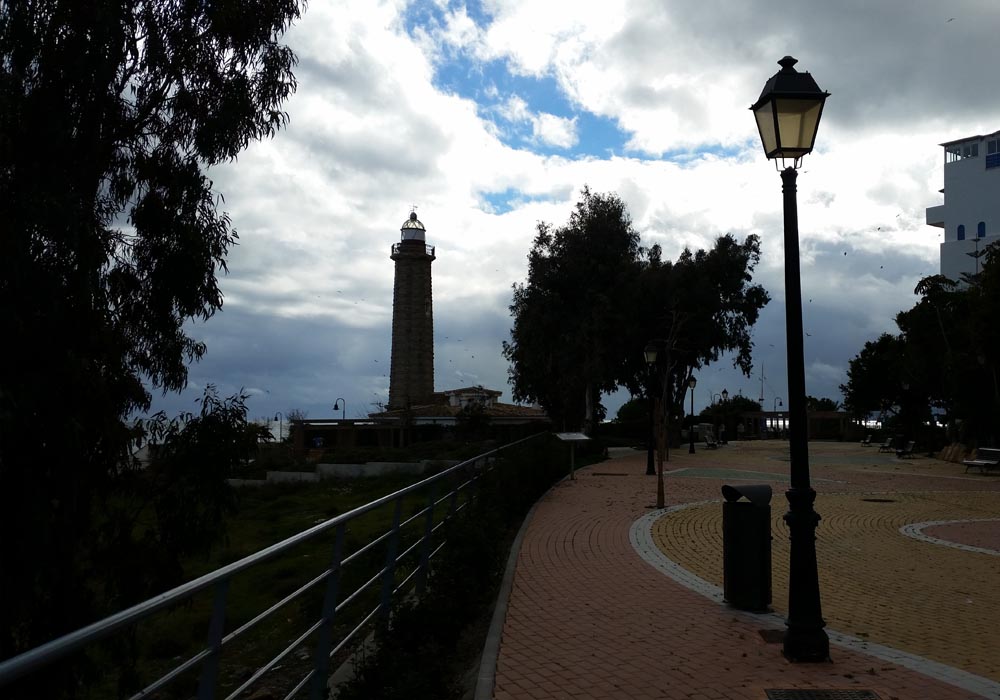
{"type": "Point", "coordinates": [546, 129]}
{"type": "Point", "coordinates": [485, 116]}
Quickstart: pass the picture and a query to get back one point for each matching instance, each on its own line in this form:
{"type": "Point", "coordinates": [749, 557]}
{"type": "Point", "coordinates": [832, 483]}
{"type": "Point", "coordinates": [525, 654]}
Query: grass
{"type": "Point", "coordinates": [267, 515]}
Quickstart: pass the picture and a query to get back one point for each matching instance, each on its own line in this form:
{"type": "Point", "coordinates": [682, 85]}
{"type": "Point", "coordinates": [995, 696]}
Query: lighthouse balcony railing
{"type": "Point", "coordinates": [397, 248]}
{"type": "Point", "coordinates": [325, 622]}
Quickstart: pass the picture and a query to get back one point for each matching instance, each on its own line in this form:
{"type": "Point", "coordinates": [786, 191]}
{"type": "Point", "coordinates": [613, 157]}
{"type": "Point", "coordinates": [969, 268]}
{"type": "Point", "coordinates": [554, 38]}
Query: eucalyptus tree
{"type": "Point", "coordinates": [573, 315]}
{"type": "Point", "coordinates": [697, 308]}
{"type": "Point", "coordinates": [112, 112]}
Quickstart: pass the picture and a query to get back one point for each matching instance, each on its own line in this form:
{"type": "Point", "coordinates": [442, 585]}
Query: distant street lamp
{"type": "Point", "coordinates": [278, 417]}
{"type": "Point", "coordinates": [722, 433]}
{"type": "Point", "coordinates": [788, 113]}
{"type": "Point", "coordinates": [341, 405]}
{"type": "Point", "coordinates": [692, 382]}
{"type": "Point", "coordinates": [650, 353]}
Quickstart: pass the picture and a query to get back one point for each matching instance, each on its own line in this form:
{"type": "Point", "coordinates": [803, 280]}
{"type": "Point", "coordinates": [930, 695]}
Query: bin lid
{"type": "Point", "coordinates": [758, 494]}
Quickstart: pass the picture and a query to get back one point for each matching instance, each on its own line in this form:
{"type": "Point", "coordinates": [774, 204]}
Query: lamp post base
{"type": "Point", "coordinates": [805, 637]}
{"type": "Point", "coordinates": [806, 645]}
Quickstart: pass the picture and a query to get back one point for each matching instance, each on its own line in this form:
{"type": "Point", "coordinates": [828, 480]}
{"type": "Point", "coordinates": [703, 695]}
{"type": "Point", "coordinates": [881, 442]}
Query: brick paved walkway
{"type": "Point", "coordinates": [589, 618]}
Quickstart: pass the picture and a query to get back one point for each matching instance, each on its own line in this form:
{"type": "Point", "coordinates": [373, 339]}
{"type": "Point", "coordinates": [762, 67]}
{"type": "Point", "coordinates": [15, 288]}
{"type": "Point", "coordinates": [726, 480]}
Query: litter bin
{"type": "Point", "coordinates": [746, 546]}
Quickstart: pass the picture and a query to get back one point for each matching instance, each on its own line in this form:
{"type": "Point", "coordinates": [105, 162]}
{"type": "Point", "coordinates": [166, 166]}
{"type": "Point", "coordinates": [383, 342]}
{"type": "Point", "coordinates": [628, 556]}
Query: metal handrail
{"type": "Point", "coordinates": [23, 664]}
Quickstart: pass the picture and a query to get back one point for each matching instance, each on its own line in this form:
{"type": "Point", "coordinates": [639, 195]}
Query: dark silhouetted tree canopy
{"type": "Point", "coordinates": [594, 298]}
{"type": "Point", "coordinates": [821, 404]}
{"type": "Point", "coordinates": [110, 113]}
{"type": "Point", "coordinates": [700, 306]}
{"type": "Point", "coordinates": [945, 356]}
{"type": "Point", "coordinates": [572, 316]}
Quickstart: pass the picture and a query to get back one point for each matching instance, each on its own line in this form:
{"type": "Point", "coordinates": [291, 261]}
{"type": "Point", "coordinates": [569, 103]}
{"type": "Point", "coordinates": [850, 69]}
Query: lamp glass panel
{"type": "Point", "coordinates": [765, 124]}
{"type": "Point", "coordinates": [797, 122]}
{"type": "Point", "coordinates": [650, 353]}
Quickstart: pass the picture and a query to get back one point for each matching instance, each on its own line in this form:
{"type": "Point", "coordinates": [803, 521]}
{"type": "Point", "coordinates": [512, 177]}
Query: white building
{"type": "Point", "coordinates": [970, 215]}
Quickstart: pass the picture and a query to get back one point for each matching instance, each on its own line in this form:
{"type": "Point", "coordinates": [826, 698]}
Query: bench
{"type": "Point", "coordinates": [906, 452]}
{"type": "Point", "coordinates": [986, 458]}
{"type": "Point", "coordinates": [886, 446]}
{"type": "Point", "coordinates": [710, 442]}
{"type": "Point", "coordinates": [867, 441]}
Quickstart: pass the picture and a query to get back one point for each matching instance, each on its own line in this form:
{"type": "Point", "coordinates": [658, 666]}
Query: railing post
{"type": "Point", "coordinates": [321, 663]}
{"type": "Point", "coordinates": [210, 668]}
{"type": "Point", "coordinates": [389, 577]}
{"type": "Point", "coordinates": [425, 554]}
{"type": "Point", "coordinates": [453, 503]}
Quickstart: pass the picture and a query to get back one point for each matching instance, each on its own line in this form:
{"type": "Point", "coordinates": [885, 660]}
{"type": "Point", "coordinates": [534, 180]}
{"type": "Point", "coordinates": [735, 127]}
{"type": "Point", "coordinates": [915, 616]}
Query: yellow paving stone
{"type": "Point", "coordinates": [876, 583]}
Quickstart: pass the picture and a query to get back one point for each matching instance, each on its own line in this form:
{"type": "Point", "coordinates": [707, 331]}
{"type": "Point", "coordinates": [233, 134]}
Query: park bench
{"type": "Point", "coordinates": [867, 441]}
{"type": "Point", "coordinates": [986, 458]}
{"type": "Point", "coordinates": [886, 446]}
{"type": "Point", "coordinates": [710, 442]}
{"type": "Point", "coordinates": [906, 452]}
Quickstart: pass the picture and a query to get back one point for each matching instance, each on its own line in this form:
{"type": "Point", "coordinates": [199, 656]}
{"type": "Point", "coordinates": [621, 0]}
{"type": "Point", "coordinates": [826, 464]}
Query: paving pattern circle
{"type": "Point", "coordinates": [981, 535]}
{"type": "Point", "coordinates": [877, 584]}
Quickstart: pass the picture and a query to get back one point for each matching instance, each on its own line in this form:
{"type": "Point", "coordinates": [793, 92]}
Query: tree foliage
{"type": "Point", "coordinates": [112, 111]}
{"type": "Point", "coordinates": [821, 404]}
{"type": "Point", "coordinates": [698, 308]}
{"type": "Point", "coordinates": [594, 298]}
{"type": "Point", "coordinates": [572, 316]}
{"type": "Point", "coordinates": [945, 356]}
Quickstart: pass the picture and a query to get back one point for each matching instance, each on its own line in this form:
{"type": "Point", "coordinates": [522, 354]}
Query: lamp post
{"type": "Point", "coordinates": [692, 382]}
{"type": "Point", "coordinates": [722, 433]}
{"type": "Point", "coordinates": [788, 114]}
{"type": "Point", "coordinates": [342, 405]}
{"type": "Point", "coordinates": [651, 353]}
{"type": "Point", "coordinates": [278, 417]}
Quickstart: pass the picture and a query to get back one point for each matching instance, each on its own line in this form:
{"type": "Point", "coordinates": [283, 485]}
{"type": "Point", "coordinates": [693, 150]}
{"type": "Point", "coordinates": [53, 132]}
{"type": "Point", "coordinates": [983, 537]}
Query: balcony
{"type": "Point", "coordinates": [935, 216]}
{"type": "Point", "coordinates": [410, 247]}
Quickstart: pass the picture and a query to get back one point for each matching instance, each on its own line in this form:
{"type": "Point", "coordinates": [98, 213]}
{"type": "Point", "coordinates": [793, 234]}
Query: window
{"type": "Point", "coordinates": [961, 232]}
{"type": "Point", "coordinates": [981, 230]}
{"type": "Point", "coordinates": [993, 154]}
{"type": "Point", "coordinates": [961, 151]}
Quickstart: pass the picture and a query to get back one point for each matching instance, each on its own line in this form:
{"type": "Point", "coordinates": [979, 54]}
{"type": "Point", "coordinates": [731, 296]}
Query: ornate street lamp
{"type": "Point", "coordinates": [342, 406]}
{"type": "Point", "coordinates": [788, 114]}
{"type": "Point", "coordinates": [692, 382]}
{"type": "Point", "coordinates": [651, 353]}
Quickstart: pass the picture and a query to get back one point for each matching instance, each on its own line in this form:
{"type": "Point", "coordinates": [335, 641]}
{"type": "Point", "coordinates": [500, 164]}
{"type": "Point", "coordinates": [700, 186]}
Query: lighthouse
{"type": "Point", "coordinates": [411, 375]}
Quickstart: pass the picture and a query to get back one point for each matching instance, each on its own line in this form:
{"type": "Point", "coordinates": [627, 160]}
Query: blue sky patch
{"type": "Point", "coordinates": [509, 199]}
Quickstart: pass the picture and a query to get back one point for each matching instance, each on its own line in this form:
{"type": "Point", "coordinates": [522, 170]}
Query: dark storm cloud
{"type": "Point", "coordinates": [887, 61]}
{"type": "Point", "coordinates": [286, 363]}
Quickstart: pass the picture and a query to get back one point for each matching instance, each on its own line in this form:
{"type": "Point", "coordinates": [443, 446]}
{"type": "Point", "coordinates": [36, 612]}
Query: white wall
{"type": "Point", "coordinates": [971, 195]}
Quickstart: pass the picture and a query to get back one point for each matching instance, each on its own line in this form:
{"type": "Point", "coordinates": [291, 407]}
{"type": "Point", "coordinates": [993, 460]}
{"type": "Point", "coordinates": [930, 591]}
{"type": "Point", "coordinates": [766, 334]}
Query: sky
{"type": "Point", "coordinates": [490, 116]}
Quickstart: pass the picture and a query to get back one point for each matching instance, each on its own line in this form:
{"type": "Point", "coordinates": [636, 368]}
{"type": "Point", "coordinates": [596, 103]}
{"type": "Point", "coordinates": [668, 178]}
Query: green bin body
{"type": "Point", "coordinates": [746, 546]}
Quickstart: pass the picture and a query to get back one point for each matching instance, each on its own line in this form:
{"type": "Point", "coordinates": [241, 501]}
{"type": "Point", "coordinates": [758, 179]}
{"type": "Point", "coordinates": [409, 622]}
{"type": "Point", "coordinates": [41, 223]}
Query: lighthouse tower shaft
{"type": "Point", "coordinates": [411, 375]}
